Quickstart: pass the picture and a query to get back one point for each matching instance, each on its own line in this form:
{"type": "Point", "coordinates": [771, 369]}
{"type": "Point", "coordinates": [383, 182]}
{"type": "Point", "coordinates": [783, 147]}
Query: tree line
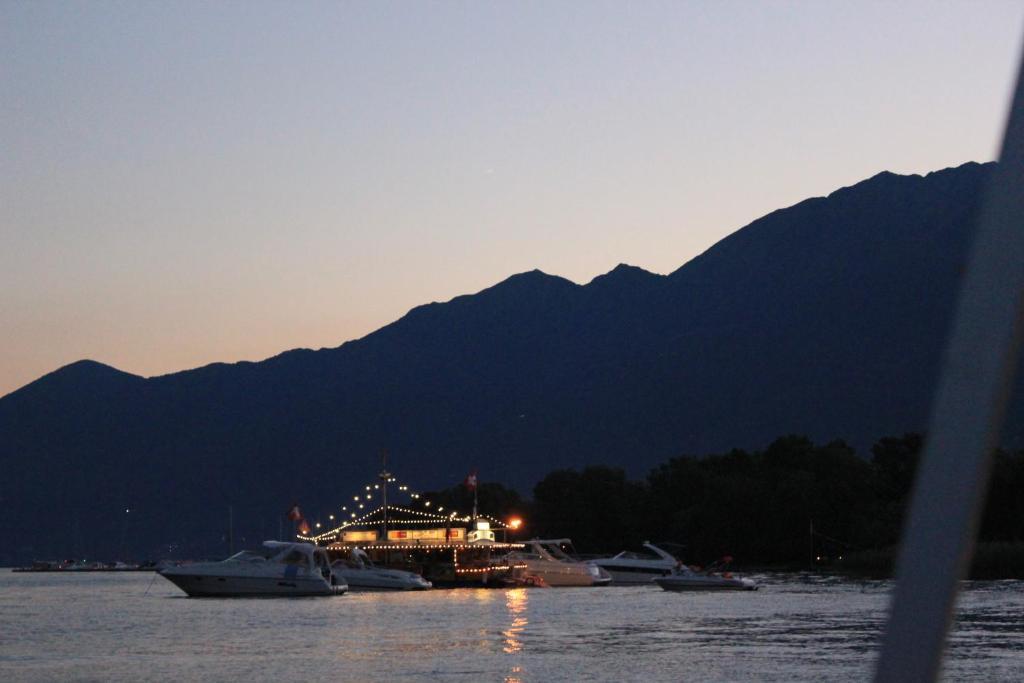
{"type": "Point", "coordinates": [794, 503]}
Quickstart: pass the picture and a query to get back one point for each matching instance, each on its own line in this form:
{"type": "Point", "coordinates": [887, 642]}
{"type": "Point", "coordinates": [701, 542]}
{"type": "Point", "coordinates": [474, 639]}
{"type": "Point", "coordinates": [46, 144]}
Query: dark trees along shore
{"type": "Point", "coordinates": [795, 503]}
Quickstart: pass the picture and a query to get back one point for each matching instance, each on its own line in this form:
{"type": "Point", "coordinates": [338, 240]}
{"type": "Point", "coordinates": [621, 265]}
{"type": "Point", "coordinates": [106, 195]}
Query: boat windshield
{"type": "Point", "coordinates": [523, 555]}
{"type": "Point", "coordinates": [247, 556]}
{"type": "Point", "coordinates": [558, 552]}
{"type": "Point", "coordinates": [296, 557]}
{"type": "Point", "coordinates": [630, 555]}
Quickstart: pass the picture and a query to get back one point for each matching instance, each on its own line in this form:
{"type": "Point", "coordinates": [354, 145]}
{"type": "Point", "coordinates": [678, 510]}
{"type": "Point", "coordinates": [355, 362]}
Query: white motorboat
{"type": "Point", "coordinates": [361, 574]}
{"type": "Point", "coordinates": [714, 578]}
{"type": "Point", "coordinates": [545, 563]}
{"type": "Point", "coordinates": [638, 568]}
{"type": "Point", "coordinates": [278, 568]}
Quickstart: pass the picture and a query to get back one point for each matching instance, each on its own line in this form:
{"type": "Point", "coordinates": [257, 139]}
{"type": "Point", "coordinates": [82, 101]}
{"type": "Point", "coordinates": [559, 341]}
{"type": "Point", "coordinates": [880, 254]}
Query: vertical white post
{"type": "Point", "coordinates": [950, 487]}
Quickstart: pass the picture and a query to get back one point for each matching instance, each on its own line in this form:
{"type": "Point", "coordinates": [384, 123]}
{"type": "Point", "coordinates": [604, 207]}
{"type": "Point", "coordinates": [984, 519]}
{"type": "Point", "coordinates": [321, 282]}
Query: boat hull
{"type": "Point", "coordinates": [371, 580]}
{"type": "Point", "coordinates": [557, 574]}
{"type": "Point", "coordinates": [200, 586]}
{"type": "Point", "coordinates": [634, 576]}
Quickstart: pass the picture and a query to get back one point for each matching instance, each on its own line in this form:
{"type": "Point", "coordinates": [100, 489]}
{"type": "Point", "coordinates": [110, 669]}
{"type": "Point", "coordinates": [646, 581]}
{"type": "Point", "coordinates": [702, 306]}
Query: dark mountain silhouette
{"type": "Point", "coordinates": [826, 318]}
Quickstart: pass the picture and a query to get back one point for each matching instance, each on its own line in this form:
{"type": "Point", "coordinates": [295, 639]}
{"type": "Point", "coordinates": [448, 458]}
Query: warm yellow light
{"type": "Point", "coordinates": [515, 523]}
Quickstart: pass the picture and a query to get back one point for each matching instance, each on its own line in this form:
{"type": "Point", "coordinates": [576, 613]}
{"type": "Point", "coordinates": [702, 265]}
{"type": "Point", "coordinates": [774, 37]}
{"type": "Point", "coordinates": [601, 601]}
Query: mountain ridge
{"type": "Point", "coordinates": [824, 318]}
{"type": "Point", "coordinates": [619, 271]}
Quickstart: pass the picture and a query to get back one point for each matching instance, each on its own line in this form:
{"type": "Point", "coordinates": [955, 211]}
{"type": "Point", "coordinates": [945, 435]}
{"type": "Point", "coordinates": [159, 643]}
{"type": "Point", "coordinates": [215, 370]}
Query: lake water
{"type": "Point", "coordinates": [138, 626]}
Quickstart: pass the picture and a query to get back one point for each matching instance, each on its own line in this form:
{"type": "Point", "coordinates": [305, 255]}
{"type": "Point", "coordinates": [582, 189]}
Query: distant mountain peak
{"type": "Point", "coordinates": [532, 280]}
{"type": "Point", "coordinates": [624, 275]}
{"type": "Point", "coordinates": [89, 369]}
{"type": "Point", "coordinates": [533, 276]}
{"type": "Point", "coordinates": [84, 374]}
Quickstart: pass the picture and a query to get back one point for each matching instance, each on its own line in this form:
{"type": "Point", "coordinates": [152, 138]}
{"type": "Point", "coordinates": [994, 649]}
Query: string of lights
{"type": "Point", "coordinates": [427, 518]}
{"type": "Point", "coordinates": [442, 546]}
{"type": "Point", "coordinates": [358, 517]}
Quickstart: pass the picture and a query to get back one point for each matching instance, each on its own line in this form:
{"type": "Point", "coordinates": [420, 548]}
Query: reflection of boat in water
{"type": "Point", "coordinates": [359, 572]}
{"type": "Point", "coordinates": [278, 568]}
{"type": "Point", "coordinates": [632, 568]}
{"type": "Point", "coordinates": [713, 578]}
{"type": "Point", "coordinates": [546, 562]}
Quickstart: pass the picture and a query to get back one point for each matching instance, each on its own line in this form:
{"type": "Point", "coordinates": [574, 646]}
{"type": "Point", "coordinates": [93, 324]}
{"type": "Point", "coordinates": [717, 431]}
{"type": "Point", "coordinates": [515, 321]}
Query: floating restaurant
{"type": "Point", "coordinates": [445, 547]}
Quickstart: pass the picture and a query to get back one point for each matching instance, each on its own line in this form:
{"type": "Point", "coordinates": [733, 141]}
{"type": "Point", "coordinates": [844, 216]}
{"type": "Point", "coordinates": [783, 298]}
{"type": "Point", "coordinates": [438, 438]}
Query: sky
{"type": "Point", "coordinates": [185, 183]}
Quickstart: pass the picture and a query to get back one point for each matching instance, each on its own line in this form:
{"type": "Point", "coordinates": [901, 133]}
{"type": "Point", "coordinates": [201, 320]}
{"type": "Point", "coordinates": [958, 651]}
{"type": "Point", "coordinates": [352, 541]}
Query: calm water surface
{"type": "Point", "coordinates": [140, 627]}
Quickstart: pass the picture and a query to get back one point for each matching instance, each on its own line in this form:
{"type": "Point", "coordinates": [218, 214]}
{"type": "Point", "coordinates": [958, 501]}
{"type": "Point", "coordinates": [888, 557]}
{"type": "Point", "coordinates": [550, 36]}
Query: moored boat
{"type": "Point", "coordinates": [277, 569]}
{"type": "Point", "coordinates": [638, 568]}
{"type": "Point", "coordinates": [545, 562]}
{"type": "Point", "coordinates": [359, 572]}
{"type": "Point", "coordinates": [684, 578]}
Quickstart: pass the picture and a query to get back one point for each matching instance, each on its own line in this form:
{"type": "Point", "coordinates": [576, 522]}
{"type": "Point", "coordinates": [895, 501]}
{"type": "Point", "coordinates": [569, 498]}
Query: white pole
{"type": "Point", "coordinates": [967, 415]}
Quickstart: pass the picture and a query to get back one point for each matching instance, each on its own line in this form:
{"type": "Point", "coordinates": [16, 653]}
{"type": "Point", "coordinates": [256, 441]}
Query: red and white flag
{"type": "Point", "coordinates": [294, 514]}
{"type": "Point", "coordinates": [470, 482]}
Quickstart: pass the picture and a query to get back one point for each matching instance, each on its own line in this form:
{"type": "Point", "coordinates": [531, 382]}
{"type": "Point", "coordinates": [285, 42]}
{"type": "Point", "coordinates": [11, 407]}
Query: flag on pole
{"type": "Point", "coordinates": [470, 482]}
{"type": "Point", "coordinates": [294, 514]}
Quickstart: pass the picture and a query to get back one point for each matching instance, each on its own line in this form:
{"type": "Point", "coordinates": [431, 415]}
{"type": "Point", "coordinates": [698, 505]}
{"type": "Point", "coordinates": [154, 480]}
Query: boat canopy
{"type": "Point", "coordinates": [297, 553]}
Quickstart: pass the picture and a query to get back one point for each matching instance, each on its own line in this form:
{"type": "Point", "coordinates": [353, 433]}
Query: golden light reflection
{"type": "Point", "coordinates": [516, 603]}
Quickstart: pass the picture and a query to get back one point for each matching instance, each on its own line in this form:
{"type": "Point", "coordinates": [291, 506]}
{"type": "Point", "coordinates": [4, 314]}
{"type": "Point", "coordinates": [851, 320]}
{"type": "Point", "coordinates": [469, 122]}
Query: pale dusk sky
{"type": "Point", "coordinates": [184, 183]}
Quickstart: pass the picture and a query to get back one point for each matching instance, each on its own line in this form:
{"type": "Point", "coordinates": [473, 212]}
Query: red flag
{"type": "Point", "coordinates": [304, 528]}
{"type": "Point", "coordinates": [294, 513]}
{"type": "Point", "coordinates": [470, 482]}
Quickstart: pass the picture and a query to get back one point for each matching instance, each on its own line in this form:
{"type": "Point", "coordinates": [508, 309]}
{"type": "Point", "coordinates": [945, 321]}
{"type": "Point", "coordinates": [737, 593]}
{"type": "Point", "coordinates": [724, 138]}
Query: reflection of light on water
{"type": "Point", "coordinates": [513, 675]}
{"type": "Point", "coordinates": [515, 601]}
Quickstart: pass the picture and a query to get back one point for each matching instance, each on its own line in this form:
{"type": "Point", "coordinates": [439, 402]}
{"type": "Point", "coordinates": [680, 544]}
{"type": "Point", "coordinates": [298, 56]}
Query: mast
{"type": "Point", "coordinates": [384, 477]}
